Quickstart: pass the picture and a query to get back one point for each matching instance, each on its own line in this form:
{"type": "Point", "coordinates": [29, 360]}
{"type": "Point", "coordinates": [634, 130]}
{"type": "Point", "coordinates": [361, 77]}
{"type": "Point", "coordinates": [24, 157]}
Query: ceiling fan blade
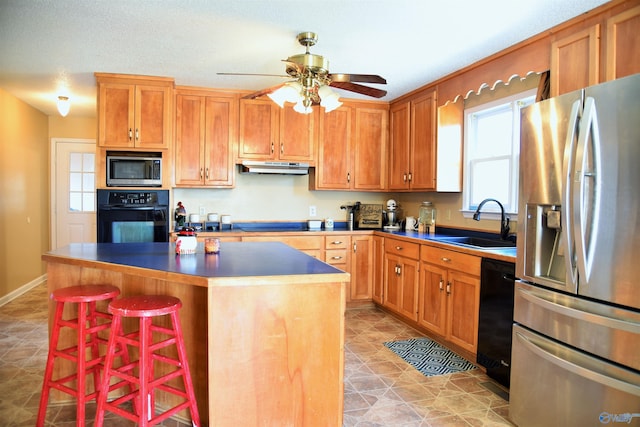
{"type": "Point", "coordinates": [365, 90]}
{"type": "Point", "coordinates": [361, 78]}
{"type": "Point", "coordinates": [252, 74]}
{"type": "Point", "coordinates": [262, 92]}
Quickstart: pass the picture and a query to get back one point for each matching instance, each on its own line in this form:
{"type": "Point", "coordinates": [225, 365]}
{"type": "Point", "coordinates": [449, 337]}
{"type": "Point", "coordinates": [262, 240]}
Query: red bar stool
{"type": "Point", "coordinates": [88, 324]}
{"type": "Point", "coordinates": [138, 405]}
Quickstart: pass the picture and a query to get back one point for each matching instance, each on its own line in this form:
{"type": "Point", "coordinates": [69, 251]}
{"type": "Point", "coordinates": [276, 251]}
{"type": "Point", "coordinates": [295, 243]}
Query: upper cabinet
{"type": "Point", "coordinates": [206, 133]}
{"type": "Point", "coordinates": [134, 111]}
{"type": "Point", "coordinates": [602, 49]}
{"type": "Point", "coordinates": [449, 146]}
{"type": "Point", "coordinates": [268, 132]}
{"type": "Point", "coordinates": [352, 148]}
{"type": "Point", "coordinates": [412, 151]}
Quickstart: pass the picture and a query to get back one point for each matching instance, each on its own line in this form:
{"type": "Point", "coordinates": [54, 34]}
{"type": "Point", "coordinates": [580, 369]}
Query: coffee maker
{"type": "Point", "coordinates": [392, 216]}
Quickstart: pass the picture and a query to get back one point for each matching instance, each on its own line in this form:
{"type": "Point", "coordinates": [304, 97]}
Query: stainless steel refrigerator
{"type": "Point", "coordinates": [576, 335]}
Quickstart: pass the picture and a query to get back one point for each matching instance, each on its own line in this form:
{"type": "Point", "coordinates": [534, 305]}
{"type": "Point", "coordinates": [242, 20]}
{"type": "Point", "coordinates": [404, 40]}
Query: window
{"type": "Point", "coordinates": [492, 146]}
{"type": "Point", "coordinates": [82, 182]}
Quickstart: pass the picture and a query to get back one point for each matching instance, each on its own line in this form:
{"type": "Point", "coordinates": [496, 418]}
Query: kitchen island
{"type": "Point", "coordinates": [263, 323]}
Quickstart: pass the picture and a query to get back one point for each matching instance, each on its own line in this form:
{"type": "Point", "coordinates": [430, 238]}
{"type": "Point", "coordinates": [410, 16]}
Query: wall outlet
{"type": "Point", "coordinates": [203, 210]}
{"type": "Point", "coordinates": [312, 211]}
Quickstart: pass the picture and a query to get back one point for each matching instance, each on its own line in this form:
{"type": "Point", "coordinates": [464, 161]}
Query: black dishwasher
{"type": "Point", "coordinates": [496, 318]}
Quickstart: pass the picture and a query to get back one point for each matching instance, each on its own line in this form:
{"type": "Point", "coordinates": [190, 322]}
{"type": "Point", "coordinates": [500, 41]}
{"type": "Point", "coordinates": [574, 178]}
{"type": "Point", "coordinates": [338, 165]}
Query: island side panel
{"type": "Point", "coordinates": [276, 354]}
{"type": "Point", "coordinates": [132, 281]}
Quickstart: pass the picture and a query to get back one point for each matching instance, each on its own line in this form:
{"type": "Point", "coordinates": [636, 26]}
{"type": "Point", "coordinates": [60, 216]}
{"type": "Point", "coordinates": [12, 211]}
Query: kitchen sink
{"type": "Point", "coordinates": [479, 242]}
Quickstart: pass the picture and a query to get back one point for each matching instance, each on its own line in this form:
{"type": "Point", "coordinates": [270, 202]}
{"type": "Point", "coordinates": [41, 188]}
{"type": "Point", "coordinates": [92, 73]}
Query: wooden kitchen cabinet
{"type": "Point", "coordinates": [622, 44]}
{"type": "Point", "coordinates": [575, 61]}
{"type": "Point", "coordinates": [206, 124]}
{"type": "Point", "coordinates": [271, 133]}
{"type": "Point", "coordinates": [412, 151]}
{"type": "Point", "coordinates": [401, 267]}
{"type": "Point", "coordinates": [377, 293]}
{"type": "Point", "coordinates": [361, 267]}
{"type": "Point", "coordinates": [134, 112]}
{"type": "Point", "coordinates": [449, 295]}
{"type": "Point", "coordinates": [336, 253]}
{"type": "Point", "coordinates": [310, 244]}
{"type": "Point", "coordinates": [352, 147]}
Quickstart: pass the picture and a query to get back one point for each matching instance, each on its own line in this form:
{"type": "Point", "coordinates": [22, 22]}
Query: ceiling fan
{"type": "Point", "coordinates": [312, 80]}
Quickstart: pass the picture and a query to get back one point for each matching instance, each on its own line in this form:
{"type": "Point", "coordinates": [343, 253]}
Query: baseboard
{"type": "Point", "coordinates": [22, 289]}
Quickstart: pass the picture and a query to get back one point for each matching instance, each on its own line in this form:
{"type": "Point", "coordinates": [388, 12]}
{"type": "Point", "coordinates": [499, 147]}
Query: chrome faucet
{"type": "Point", "coordinates": [504, 220]}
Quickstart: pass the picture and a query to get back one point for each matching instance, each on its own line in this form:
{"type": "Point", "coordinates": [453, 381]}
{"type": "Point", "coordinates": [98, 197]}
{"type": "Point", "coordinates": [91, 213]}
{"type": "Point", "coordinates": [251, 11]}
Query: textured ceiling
{"type": "Point", "coordinates": [53, 47]}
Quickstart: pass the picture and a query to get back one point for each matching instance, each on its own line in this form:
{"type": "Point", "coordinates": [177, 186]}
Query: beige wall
{"type": "Point", "coordinates": [24, 183]}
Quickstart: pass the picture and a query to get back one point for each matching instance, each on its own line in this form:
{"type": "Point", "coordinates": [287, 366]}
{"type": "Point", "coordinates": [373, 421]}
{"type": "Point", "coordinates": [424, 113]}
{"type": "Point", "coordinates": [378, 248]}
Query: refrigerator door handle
{"type": "Point", "coordinates": [575, 367]}
{"type": "Point", "coordinates": [568, 168]}
{"type": "Point", "coordinates": [581, 313]}
{"type": "Point", "coordinates": [586, 191]}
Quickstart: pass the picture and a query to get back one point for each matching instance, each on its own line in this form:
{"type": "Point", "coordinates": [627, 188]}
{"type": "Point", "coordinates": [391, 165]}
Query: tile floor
{"type": "Point", "coordinates": [380, 388]}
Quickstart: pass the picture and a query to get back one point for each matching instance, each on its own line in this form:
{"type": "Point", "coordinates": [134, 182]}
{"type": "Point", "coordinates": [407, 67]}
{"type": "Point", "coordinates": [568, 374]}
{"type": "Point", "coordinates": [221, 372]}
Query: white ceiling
{"type": "Point", "coordinates": [48, 47]}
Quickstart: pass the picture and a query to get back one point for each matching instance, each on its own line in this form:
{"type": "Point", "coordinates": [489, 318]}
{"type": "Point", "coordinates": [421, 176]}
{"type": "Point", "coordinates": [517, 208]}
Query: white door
{"type": "Point", "coordinates": [73, 190]}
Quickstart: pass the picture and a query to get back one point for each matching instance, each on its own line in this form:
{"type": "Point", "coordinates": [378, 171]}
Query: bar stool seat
{"type": "Point", "coordinates": [154, 368]}
{"type": "Point", "coordinates": [88, 324]}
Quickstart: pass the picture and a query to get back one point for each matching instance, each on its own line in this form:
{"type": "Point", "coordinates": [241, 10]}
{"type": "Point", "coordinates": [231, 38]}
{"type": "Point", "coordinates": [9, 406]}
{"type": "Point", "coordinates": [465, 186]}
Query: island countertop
{"type": "Point", "coordinates": [263, 324]}
{"type": "Point", "coordinates": [235, 260]}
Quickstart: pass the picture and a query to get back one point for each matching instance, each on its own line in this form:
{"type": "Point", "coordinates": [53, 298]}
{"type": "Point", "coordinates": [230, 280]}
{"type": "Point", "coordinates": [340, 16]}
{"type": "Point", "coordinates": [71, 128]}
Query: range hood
{"type": "Point", "coordinates": [279, 168]}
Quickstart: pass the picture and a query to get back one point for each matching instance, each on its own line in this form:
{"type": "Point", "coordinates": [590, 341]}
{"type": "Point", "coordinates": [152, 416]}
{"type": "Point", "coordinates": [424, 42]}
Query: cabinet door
{"type": "Point", "coordinates": [361, 267]}
{"type": "Point", "coordinates": [463, 310]}
{"type": "Point", "coordinates": [297, 135]}
{"type": "Point", "coordinates": [189, 140]}
{"type": "Point", "coordinates": [220, 121]}
{"type": "Point", "coordinates": [392, 282]}
{"type": "Point", "coordinates": [258, 129]}
{"type": "Point", "coordinates": [432, 309]}
{"type": "Point", "coordinates": [152, 117]}
{"type": "Point", "coordinates": [378, 264]}
{"type": "Point", "coordinates": [369, 149]}
{"type": "Point", "coordinates": [334, 153]}
{"type": "Point", "coordinates": [400, 125]}
{"type": "Point", "coordinates": [575, 61]}
{"type": "Point", "coordinates": [622, 44]}
{"type": "Point", "coordinates": [116, 115]}
{"type": "Point", "coordinates": [409, 288]}
{"type": "Point", "coordinates": [422, 155]}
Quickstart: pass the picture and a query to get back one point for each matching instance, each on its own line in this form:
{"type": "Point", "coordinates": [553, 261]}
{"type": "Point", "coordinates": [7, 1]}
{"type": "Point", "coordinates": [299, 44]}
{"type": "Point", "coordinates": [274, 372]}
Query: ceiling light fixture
{"type": "Point", "coordinates": [63, 105]}
{"type": "Point", "coordinates": [305, 92]}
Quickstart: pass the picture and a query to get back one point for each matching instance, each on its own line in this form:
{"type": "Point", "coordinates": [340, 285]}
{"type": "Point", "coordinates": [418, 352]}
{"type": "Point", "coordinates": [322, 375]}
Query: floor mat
{"type": "Point", "coordinates": [429, 357]}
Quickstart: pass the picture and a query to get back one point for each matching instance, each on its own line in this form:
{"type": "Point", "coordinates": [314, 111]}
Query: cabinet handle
{"type": "Point", "coordinates": [272, 147]}
{"type": "Point", "coordinates": [348, 176]}
{"type": "Point", "coordinates": [130, 134]}
{"type": "Point", "coordinates": [200, 173]}
{"type": "Point", "coordinates": [354, 247]}
{"type": "Point", "coordinates": [282, 148]}
{"type": "Point", "coordinates": [441, 285]}
{"type": "Point", "coordinates": [445, 259]}
{"type": "Point", "coordinates": [207, 173]}
{"type": "Point", "coordinates": [398, 248]}
{"type": "Point", "coordinates": [448, 288]}
{"type": "Point", "coordinates": [336, 242]}
{"type": "Point", "coordinates": [399, 270]}
{"type": "Point", "coordinates": [336, 257]}
{"type": "Point", "coordinates": [410, 176]}
{"type": "Point", "coordinates": [404, 177]}
{"type": "Point", "coordinates": [137, 134]}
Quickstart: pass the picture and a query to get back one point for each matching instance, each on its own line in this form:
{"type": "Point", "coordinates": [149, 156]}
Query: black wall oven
{"type": "Point", "coordinates": [133, 216]}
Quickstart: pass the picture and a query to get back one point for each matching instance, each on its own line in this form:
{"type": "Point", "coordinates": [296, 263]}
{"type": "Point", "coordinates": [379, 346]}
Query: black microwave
{"type": "Point", "coordinates": [132, 169]}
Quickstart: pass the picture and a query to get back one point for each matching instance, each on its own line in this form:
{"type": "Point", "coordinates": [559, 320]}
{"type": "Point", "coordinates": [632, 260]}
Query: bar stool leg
{"type": "Point", "coordinates": [48, 370]}
{"type": "Point", "coordinates": [182, 355]}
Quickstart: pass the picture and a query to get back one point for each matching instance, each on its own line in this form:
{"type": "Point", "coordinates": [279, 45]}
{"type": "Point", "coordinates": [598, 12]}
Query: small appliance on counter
{"type": "Point", "coordinates": [392, 220]}
{"type": "Point", "coordinates": [369, 216]}
{"type": "Point", "coordinates": [351, 214]}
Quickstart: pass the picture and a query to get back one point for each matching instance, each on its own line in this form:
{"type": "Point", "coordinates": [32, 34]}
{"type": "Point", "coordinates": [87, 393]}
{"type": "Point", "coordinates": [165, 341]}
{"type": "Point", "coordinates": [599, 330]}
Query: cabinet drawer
{"type": "Point", "coordinates": [298, 242]}
{"type": "Point", "coordinates": [449, 259]}
{"type": "Point", "coordinates": [338, 256]}
{"type": "Point", "coordinates": [402, 248]}
{"type": "Point", "coordinates": [337, 242]}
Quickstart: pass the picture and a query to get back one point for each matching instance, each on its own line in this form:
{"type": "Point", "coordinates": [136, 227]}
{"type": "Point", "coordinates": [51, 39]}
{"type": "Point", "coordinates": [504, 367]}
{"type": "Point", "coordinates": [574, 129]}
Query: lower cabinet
{"type": "Point", "coordinates": [377, 263]}
{"type": "Point", "coordinates": [449, 289]}
{"type": "Point", "coordinates": [401, 277]}
{"type": "Point", "coordinates": [353, 254]}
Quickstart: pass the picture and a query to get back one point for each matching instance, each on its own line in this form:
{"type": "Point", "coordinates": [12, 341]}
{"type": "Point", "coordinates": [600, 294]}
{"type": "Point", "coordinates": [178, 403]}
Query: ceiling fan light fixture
{"type": "Point", "coordinates": [63, 105]}
{"type": "Point", "coordinates": [289, 92]}
{"type": "Point", "coordinates": [303, 106]}
{"type": "Point", "coordinates": [328, 98]}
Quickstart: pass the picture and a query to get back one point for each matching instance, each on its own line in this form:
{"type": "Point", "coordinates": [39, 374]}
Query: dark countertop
{"type": "Point", "coordinates": [236, 259]}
